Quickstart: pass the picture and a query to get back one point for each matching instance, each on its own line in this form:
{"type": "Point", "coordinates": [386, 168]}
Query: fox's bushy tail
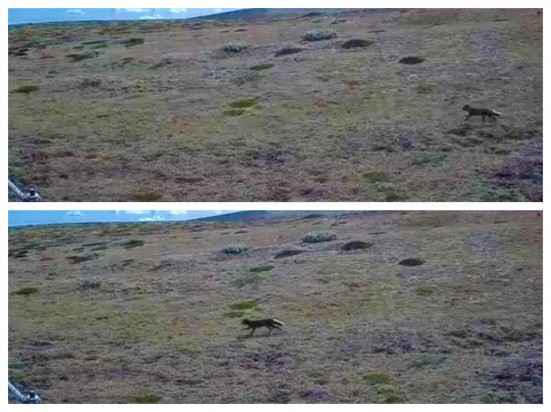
{"type": "Point", "coordinates": [497, 113]}
{"type": "Point", "coordinates": [278, 322]}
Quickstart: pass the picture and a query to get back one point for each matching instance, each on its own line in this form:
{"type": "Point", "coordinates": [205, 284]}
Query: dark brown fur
{"type": "Point", "coordinates": [268, 323]}
{"type": "Point", "coordinates": [472, 111]}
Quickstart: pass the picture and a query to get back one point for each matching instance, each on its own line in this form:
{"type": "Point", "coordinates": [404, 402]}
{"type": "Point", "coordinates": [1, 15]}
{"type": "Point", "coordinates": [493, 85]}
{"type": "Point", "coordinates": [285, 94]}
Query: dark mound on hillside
{"type": "Point", "coordinates": [355, 43]}
{"type": "Point", "coordinates": [356, 244]}
{"type": "Point", "coordinates": [411, 262]}
{"type": "Point", "coordinates": [411, 60]}
{"type": "Point", "coordinates": [287, 253]}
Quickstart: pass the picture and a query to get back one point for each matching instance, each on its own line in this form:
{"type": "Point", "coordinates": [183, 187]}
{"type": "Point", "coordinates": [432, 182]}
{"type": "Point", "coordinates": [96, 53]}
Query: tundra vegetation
{"type": "Point", "coordinates": [416, 307]}
{"type": "Point", "coordinates": [144, 111]}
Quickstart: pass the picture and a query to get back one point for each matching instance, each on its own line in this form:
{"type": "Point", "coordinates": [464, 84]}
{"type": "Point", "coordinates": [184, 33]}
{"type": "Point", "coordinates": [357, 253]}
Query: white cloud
{"type": "Point", "coordinates": [156, 218]}
{"type": "Point", "coordinates": [74, 11]}
{"type": "Point", "coordinates": [74, 213]}
{"type": "Point", "coordinates": [218, 212]}
{"type": "Point", "coordinates": [136, 212]}
{"type": "Point", "coordinates": [177, 11]}
{"type": "Point", "coordinates": [178, 212]}
{"type": "Point", "coordinates": [134, 10]}
{"type": "Point", "coordinates": [217, 10]}
{"type": "Point", "coordinates": [152, 17]}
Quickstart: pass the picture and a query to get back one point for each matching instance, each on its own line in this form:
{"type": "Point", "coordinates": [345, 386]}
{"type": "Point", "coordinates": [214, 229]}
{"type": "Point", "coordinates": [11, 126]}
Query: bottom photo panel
{"type": "Point", "coordinates": [285, 307]}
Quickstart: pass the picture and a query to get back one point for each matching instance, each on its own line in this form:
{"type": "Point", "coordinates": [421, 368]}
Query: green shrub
{"type": "Point", "coordinates": [147, 398]}
{"type": "Point", "coordinates": [425, 88]}
{"type": "Point", "coordinates": [376, 378]}
{"type": "Point", "coordinates": [146, 196]}
{"type": "Point", "coordinates": [26, 89]}
{"type": "Point", "coordinates": [234, 249]}
{"type": "Point", "coordinates": [264, 66]}
{"type": "Point", "coordinates": [259, 269]}
{"type": "Point", "coordinates": [244, 103]}
{"type": "Point", "coordinates": [26, 291]}
{"type": "Point", "coordinates": [375, 176]}
{"type": "Point", "coordinates": [426, 290]}
{"type": "Point", "coordinates": [244, 305]}
{"type": "Point", "coordinates": [316, 237]}
{"type": "Point", "coordinates": [317, 35]}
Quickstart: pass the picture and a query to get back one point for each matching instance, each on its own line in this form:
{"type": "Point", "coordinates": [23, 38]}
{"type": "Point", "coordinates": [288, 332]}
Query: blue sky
{"type": "Point", "coordinates": [27, 217]}
{"type": "Point", "coordinates": [16, 16]}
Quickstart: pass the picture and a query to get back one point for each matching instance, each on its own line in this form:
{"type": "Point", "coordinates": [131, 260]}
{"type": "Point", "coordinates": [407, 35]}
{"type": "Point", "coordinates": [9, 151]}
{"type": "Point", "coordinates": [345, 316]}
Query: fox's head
{"type": "Point", "coordinates": [245, 321]}
{"type": "Point", "coordinates": [466, 107]}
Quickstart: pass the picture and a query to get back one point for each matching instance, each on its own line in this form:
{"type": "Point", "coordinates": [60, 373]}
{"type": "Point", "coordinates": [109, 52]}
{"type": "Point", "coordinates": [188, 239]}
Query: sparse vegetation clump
{"type": "Point", "coordinates": [89, 284]}
{"type": "Point", "coordinates": [244, 305]}
{"type": "Point", "coordinates": [76, 57]}
{"type": "Point", "coordinates": [248, 279]}
{"type": "Point", "coordinates": [234, 249]}
{"type": "Point", "coordinates": [425, 88]}
{"type": "Point", "coordinates": [234, 47]}
{"type": "Point", "coordinates": [431, 159]}
{"type": "Point", "coordinates": [376, 378]}
{"type": "Point", "coordinates": [15, 166]}
{"type": "Point", "coordinates": [89, 82]}
{"type": "Point", "coordinates": [27, 89]}
{"type": "Point", "coordinates": [234, 112]}
{"type": "Point", "coordinates": [265, 268]}
{"type": "Point", "coordinates": [263, 66]}
{"type": "Point", "coordinates": [317, 35]}
{"type": "Point", "coordinates": [244, 77]}
{"type": "Point", "coordinates": [425, 290]}
{"type": "Point", "coordinates": [148, 398]}
{"type": "Point", "coordinates": [317, 237]}
{"type": "Point", "coordinates": [147, 196]}
{"type": "Point", "coordinates": [134, 41]}
{"type": "Point", "coordinates": [244, 103]}
{"type": "Point", "coordinates": [133, 243]}
{"type": "Point", "coordinates": [83, 258]}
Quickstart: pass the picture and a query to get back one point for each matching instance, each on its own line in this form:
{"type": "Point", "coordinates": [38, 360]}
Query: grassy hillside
{"type": "Point", "coordinates": [436, 307]}
{"type": "Point", "coordinates": [183, 111]}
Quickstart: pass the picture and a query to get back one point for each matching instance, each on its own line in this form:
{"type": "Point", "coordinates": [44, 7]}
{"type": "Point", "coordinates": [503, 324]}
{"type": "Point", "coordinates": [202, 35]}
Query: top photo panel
{"type": "Point", "coordinates": [278, 105]}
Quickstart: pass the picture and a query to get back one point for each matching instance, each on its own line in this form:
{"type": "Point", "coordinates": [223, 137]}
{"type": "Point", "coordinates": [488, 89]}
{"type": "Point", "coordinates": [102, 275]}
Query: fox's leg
{"type": "Point", "coordinates": [270, 330]}
{"type": "Point", "coordinates": [252, 331]}
{"type": "Point", "coordinates": [483, 118]}
{"type": "Point", "coordinates": [466, 117]}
